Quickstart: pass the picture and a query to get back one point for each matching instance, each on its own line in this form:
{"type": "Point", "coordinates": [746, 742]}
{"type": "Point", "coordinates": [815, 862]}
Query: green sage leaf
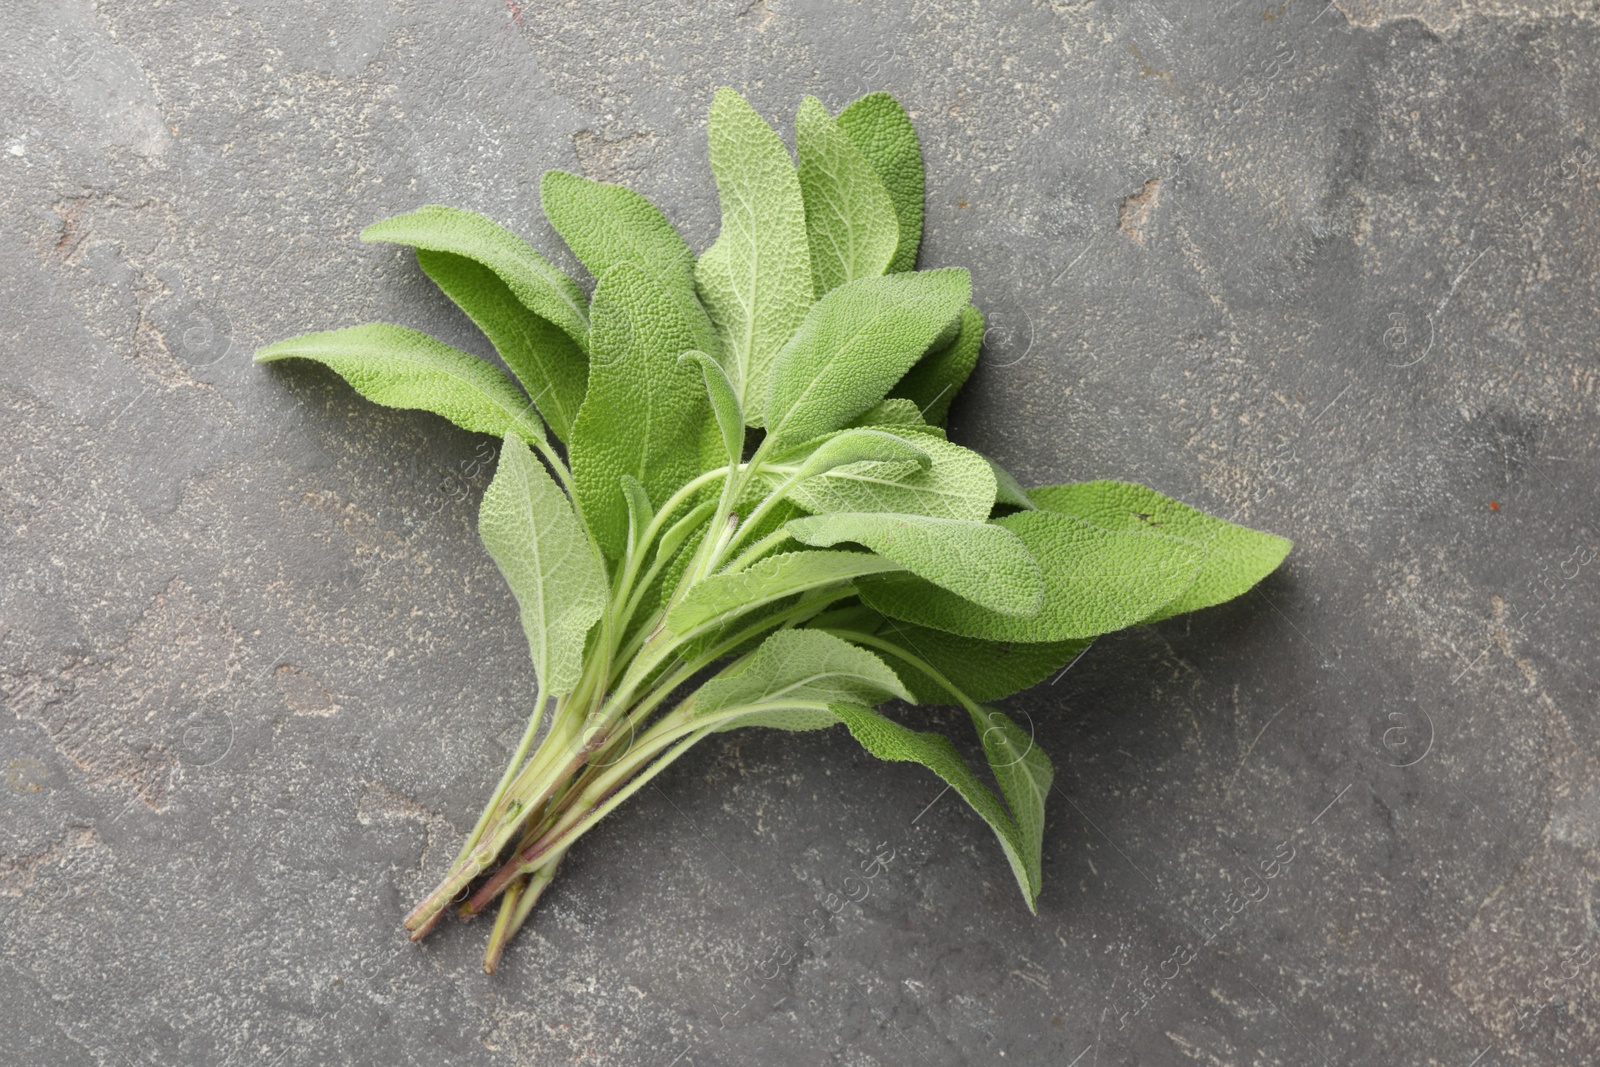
{"type": "Point", "coordinates": [1234, 558]}
{"type": "Point", "coordinates": [528, 525]}
{"type": "Point", "coordinates": [643, 412]}
{"type": "Point", "coordinates": [854, 344]}
{"type": "Point", "coordinates": [548, 363]}
{"type": "Point", "coordinates": [888, 740]}
{"type": "Point", "coordinates": [881, 129]}
{"type": "Point", "coordinates": [606, 225]}
{"type": "Point", "coordinates": [792, 671]}
{"type": "Point", "coordinates": [724, 403]}
{"type": "Point", "coordinates": [755, 279]}
{"type": "Point", "coordinates": [955, 483]}
{"type": "Point", "coordinates": [1024, 774]}
{"type": "Point", "coordinates": [850, 220]}
{"type": "Point", "coordinates": [767, 580]}
{"type": "Point", "coordinates": [981, 670]}
{"type": "Point", "coordinates": [1095, 580]}
{"type": "Point", "coordinates": [535, 280]}
{"type": "Point", "coordinates": [401, 368]}
{"type": "Point", "coordinates": [938, 376]}
{"type": "Point", "coordinates": [978, 561]}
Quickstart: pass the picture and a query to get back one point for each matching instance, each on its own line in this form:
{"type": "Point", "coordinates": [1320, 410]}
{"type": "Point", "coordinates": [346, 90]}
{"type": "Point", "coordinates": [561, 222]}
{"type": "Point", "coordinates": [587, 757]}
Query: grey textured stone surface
{"type": "Point", "coordinates": [1329, 270]}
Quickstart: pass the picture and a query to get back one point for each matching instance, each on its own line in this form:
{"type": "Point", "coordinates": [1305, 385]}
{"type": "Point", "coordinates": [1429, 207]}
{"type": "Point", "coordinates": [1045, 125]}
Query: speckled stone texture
{"type": "Point", "coordinates": [1326, 269]}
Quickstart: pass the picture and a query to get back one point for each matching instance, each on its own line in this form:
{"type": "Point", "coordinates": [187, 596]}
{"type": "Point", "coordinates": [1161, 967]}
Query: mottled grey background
{"type": "Point", "coordinates": [1326, 269]}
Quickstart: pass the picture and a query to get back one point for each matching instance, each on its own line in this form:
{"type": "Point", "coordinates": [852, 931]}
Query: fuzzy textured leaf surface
{"type": "Point", "coordinates": [888, 740]}
{"type": "Point", "coordinates": [795, 669]}
{"type": "Point", "coordinates": [607, 225]}
{"type": "Point", "coordinates": [983, 563]}
{"type": "Point", "coordinates": [854, 344]}
{"type": "Point", "coordinates": [1096, 581]}
{"type": "Point", "coordinates": [644, 412]}
{"type": "Point", "coordinates": [548, 363]}
{"type": "Point", "coordinates": [769, 579]}
{"type": "Point", "coordinates": [529, 528]}
{"type": "Point", "coordinates": [755, 279]}
{"type": "Point", "coordinates": [850, 220]}
{"type": "Point", "coordinates": [938, 376]}
{"type": "Point", "coordinates": [956, 483]}
{"type": "Point", "coordinates": [535, 281]}
{"type": "Point", "coordinates": [402, 368]}
{"type": "Point", "coordinates": [880, 127]}
{"type": "Point", "coordinates": [1234, 558]}
{"type": "Point", "coordinates": [898, 414]}
{"type": "Point", "coordinates": [859, 446]}
{"type": "Point", "coordinates": [724, 402]}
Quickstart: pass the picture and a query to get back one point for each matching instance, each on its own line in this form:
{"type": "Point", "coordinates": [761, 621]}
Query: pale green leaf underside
{"type": "Point", "coordinates": [548, 363]}
{"type": "Point", "coordinates": [644, 410]}
{"type": "Point", "coordinates": [888, 740]}
{"type": "Point", "coordinates": [897, 414]}
{"type": "Point", "coordinates": [799, 667]}
{"type": "Point", "coordinates": [724, 402]}
{"type": "Point", "coordinates": [859, 446]}
{"type": "Point", "coordinates": [770, 579]}
{"type": "Point", "coordinates": [528, 525]}
{"type": "Point", "coordinates": [1095, 580]}
{"type": "Point", "coordinates": [755, 279]}
{"type": "Point", "coordinates": [854, 344]}
{"type": "Point", "coordinates": [880, 127]}
{"type": "Point", "coordinates": [399, 367]}
{"type": "Point", "coordinates": [607, 225]}
{"type": "Point", "coordinates": [1024, 774]}
{"type": "Point", "coordinates": [535, 281]}
{"type": "Point", "coordinates": [957, 484]}
{"type": "Point", "coordinates": [850, 220]}
{"type": "Point", "coordinates": [977, 561]}
{"type": "Point", "coordinates": [1235, 558]}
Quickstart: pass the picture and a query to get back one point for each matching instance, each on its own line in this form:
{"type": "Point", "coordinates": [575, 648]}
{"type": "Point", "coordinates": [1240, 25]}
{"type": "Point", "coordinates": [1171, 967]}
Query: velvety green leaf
{"type": "Point", "coordinates": [956, 483]}
{"type": "Point", "coordinates": [767, 580]}
{"type": "Point", "coordinates": [853, 345]}
{"type": "Point", "coordinates": [639, 512]}
{"type": "Point", "coordinates": [1096, 581]}
{"type": "Point", "coordinates": [1024, 774]}
{"type": "Point", "coordinates": [791, 672]}
{"type": "Point", "coordinates": [938, 376]}
{"type": "Point", "coordinates": [401, 368]}
{"type": "Point", "coordinates": [644, 410]}
{"type": "Point", "coordinates": [529, 527]}
{"type": "Point", "coordinates": [852, 446]}
{"type": "Point", "coordinates": [976, 560]}
{"type": "Point", "coordinates": [606, 225]}
{"type": "Point", "coordinates": [535, 281]}
{"type": "Point", "coordinates": [850, 219]}
{"type": "Point", "coordinates": [755, 280]}
{"type": "Point", "coordinates": [888, 740]}
{"type": "Point", "coordinates": [881, 129]}
{"type": "Point", "coordinates": [982, 670]}
{"type": "Point", "coordinates": [897, 414]}
{"type": "Point", "coordinates": [1008, 491]}
{"type": "Point", "coordinates": [1234, 557]}
{"type": "Point", "coordinates": [724, 403]}
{"type": "Point", "coordinates": [548, 363]}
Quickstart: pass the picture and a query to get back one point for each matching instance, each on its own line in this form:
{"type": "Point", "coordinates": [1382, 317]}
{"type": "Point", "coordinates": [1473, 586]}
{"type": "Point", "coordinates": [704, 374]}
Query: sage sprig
{"type": "Point", "coordinates": [726, 498]}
